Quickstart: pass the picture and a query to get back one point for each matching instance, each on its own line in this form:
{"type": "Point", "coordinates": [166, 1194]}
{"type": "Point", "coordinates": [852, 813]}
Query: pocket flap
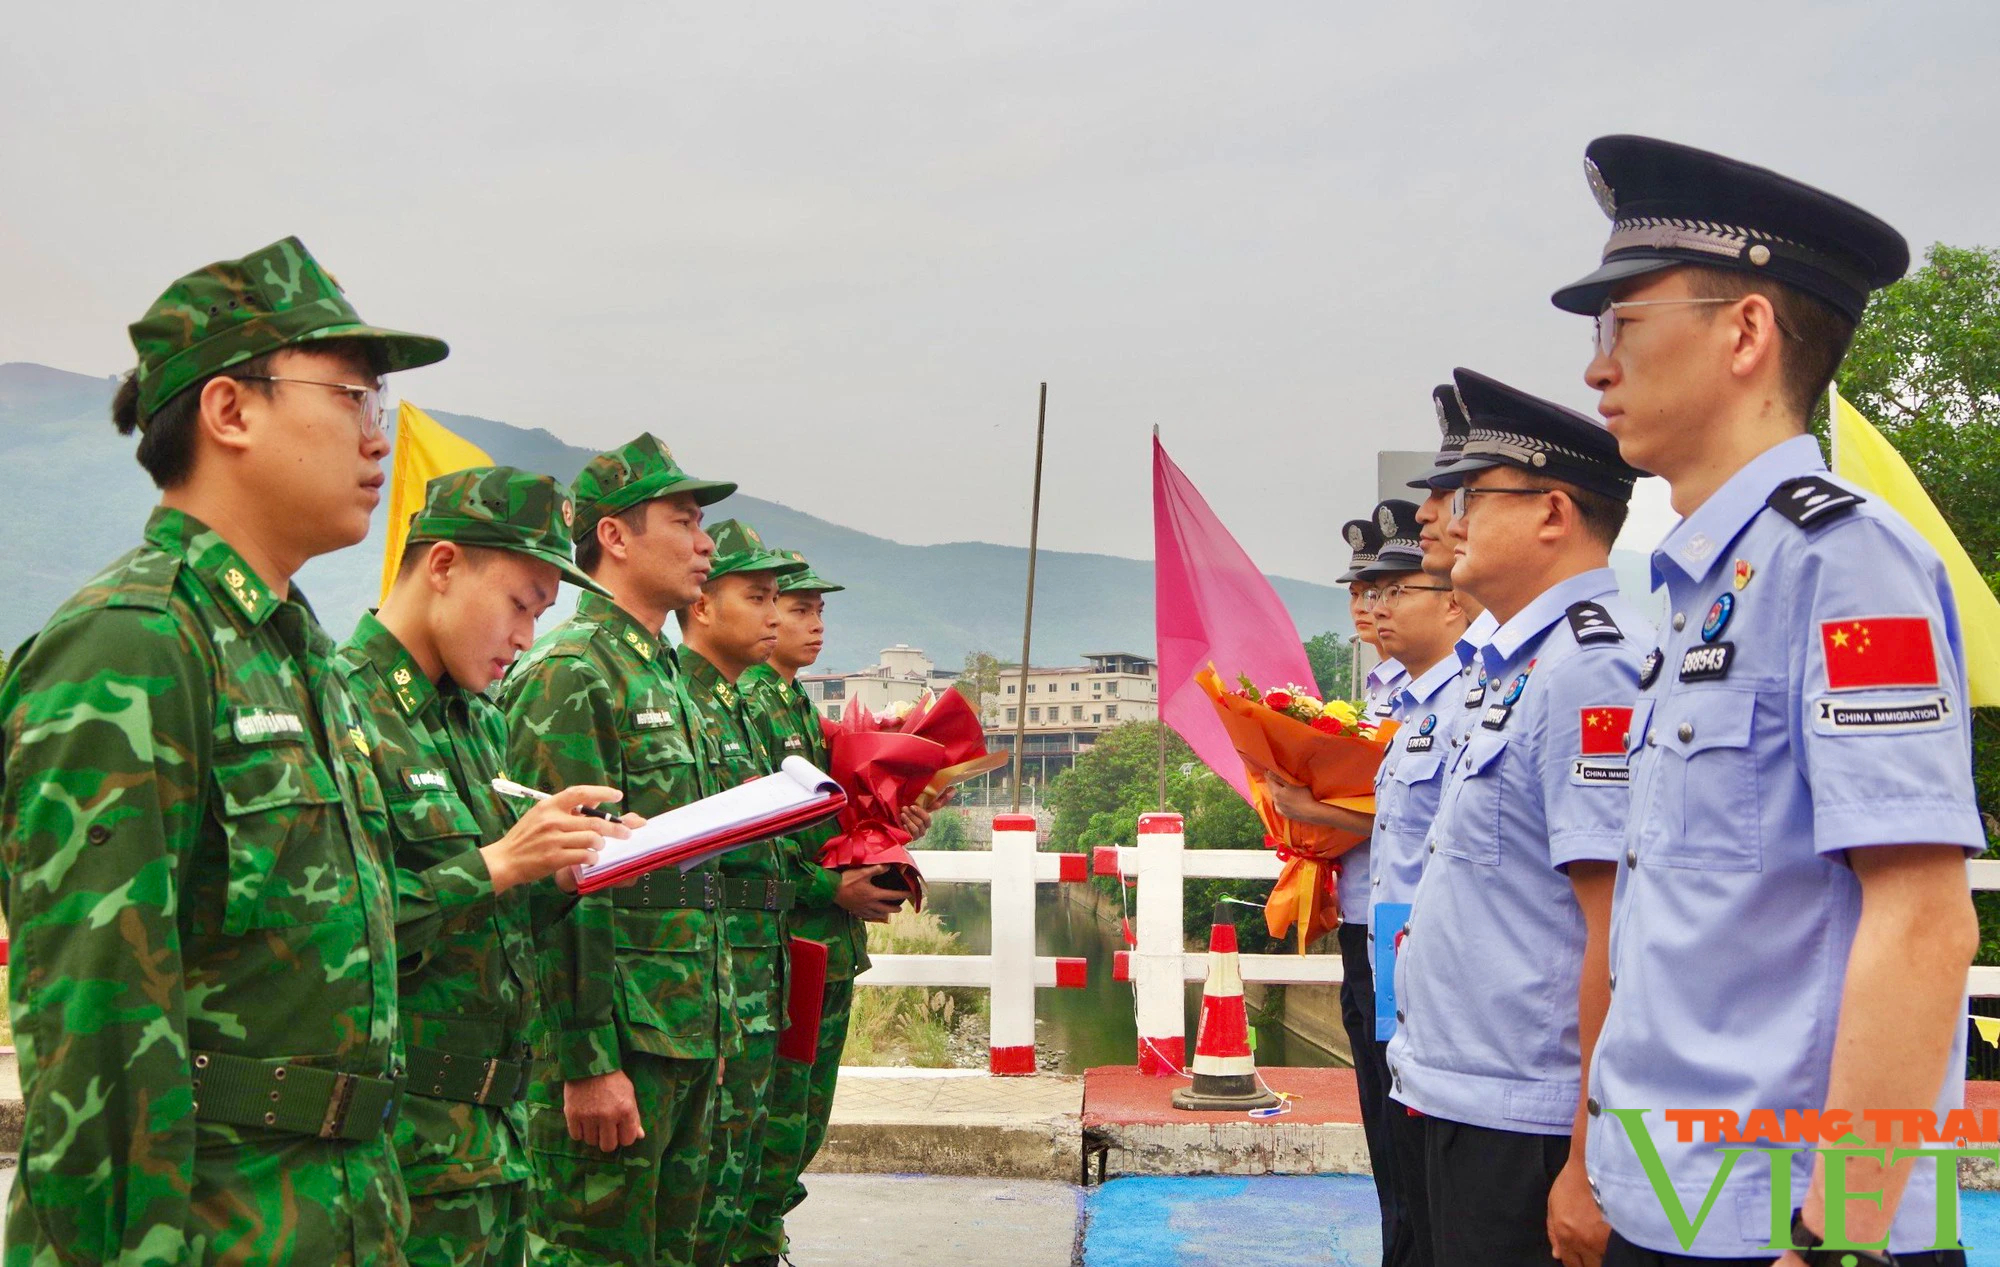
{"type": "Point", "coordinates": [1418, 767]}
{"type": "Point", "coordinates": [432, 815]}
{"type": "Point", "coordinates": [1482, 751]}
{"type": "Point", "coordinates": [1707, 719]}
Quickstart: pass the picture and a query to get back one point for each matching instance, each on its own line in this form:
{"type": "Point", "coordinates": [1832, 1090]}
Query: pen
{"type": "Point", "coordinates": [522, 792]}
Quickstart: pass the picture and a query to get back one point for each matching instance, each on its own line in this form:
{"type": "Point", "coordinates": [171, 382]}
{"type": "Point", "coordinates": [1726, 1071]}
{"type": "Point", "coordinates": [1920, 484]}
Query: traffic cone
{"type": "Point", "coordinates": [1225, 1073]}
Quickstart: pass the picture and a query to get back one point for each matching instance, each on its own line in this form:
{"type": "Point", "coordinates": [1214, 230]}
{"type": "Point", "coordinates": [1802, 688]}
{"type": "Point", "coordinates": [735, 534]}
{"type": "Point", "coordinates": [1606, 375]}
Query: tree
{"type": "Point", "coordinates": [1925, 369]}
{"type": "Point", "coordinates": [979, 681]}
{"type": "Point", "coordinates": [1332, 658]}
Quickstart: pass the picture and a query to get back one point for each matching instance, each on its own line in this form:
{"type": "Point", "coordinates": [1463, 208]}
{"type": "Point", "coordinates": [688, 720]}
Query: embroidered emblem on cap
{"type": "Point", "coordinates": [1718, 616]}
{"type": "Point", "coordinates": [1600, 189]}
{"type": "Point", "coordinates": [1354, 538]}
{"type": "Point", "coordinates": [1385, 519]}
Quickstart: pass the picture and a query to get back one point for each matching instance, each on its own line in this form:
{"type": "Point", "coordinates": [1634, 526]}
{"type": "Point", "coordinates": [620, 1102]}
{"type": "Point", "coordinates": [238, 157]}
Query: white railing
{"type": "Point", "coordinates": [1159, 968]}
{"type": "Point", "coordinates": [1013, 971]}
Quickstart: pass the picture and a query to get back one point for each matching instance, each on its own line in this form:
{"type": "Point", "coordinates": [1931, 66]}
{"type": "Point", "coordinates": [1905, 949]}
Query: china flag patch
{"type": "Point", "coordinates": [1878, 651]}
{"type": "Point", "coordinates": [1604, 727]}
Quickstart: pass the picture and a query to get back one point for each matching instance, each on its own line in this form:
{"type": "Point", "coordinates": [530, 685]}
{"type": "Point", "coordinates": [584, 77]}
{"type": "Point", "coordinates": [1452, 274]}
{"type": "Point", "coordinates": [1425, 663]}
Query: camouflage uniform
{"type": "Point", "coordinates": [757, 895]}
{"type": "Point", "coordinates": [467, 958]}
{"type": "Point", "coordinates": [801, 1098]}
{"type": "Point", "coordinates": [203, 988]}
{"type": "Point", "coordinates": [630, 976]}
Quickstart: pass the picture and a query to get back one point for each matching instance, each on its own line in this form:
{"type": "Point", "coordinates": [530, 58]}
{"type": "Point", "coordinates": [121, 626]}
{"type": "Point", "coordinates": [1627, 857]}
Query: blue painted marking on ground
{"type": "Point", "coordinates": [1304, 1221]}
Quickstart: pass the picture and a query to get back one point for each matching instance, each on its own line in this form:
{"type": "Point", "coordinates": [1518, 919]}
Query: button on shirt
{"type": "Point", "coordinates": [1488, 975]}
{"type": "Point", "coordinates": [1382, 683]}
{"type": "Point", "coordinates": [1767, 744]}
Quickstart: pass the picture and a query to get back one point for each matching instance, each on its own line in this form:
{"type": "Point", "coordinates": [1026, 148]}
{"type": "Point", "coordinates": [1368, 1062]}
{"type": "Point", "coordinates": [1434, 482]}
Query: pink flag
{"type": "Point", "coordinates": [1211, 604]}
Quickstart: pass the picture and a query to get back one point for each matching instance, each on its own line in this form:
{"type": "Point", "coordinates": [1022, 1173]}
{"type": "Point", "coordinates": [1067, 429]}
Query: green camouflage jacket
{"type": "Point", "coordinates": [187, 871]}
{"type": "Point", "coordinates": [467, 957]}
{"type": "Point", "coordinates": [599, 700]}
{"type": "Point", "coordinates": [785, 719]}
{"type": "Point", "coordinates": [756, 938]}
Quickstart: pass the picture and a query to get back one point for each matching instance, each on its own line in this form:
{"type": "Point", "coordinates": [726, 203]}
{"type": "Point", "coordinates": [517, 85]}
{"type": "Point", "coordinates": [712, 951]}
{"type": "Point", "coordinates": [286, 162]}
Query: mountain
{"type": "Point", "coordinates": [79, 501]}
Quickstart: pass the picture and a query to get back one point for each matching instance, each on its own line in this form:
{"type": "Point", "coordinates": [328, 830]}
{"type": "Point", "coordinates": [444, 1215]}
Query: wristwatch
{"type": "Point", "coordinates": [1813, 1252]}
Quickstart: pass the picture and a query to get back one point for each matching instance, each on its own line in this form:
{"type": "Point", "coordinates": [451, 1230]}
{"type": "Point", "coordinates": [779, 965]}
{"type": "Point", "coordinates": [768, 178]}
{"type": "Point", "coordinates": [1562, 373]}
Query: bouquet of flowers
{"type": "Point", "coordinates": [1324, 746]}
{"type": "Point", "coordinates": [910, 754]}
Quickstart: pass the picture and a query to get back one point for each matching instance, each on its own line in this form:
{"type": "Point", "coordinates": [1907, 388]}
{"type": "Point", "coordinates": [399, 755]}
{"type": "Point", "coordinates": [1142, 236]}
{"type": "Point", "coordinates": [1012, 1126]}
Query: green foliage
{"type": "Point", "coordinates": [906, 1024]}
{"type": "Point", "coordinates": [980, 679]}
{"type": "Point", "coordinates": [1332, 660]}
{"type": "Point", "coordinates": [949, 830]}
{"type": "Point", "coordinates": [1925, 369]}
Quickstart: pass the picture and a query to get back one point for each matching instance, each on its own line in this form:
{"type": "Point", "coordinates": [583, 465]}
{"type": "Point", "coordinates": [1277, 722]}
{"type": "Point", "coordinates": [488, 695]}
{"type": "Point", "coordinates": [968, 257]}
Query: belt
{"type": "Point", "coordinates": [298, 1099]}
{"type": "Point", "coordinates": [444, 1076]}
{"type": "Point", "coordinates": [705, 891]}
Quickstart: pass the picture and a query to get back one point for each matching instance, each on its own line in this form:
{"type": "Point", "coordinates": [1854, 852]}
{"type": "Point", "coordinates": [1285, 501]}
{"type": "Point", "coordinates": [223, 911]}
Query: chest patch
{"type": "Point", "coordinates": [262, 725]}
{"type": "Point", "coordinates": [1708, 662]}
{"type": "Point", "coordinates": [427, 780]}
{"type": "Point", "coordinates": [650, 718]}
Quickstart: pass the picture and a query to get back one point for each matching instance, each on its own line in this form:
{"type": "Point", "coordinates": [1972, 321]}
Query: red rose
{"type": "Point", "coordinates": [1279, 700]}
{"type": "Point", "coordinates": [1328, 726]}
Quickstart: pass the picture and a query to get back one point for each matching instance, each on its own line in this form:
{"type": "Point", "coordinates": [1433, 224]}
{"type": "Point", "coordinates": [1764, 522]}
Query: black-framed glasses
{"type": "Point", "coordinates": [367, 401]}
{"type": "Point", "coordinates": [1461, 497]}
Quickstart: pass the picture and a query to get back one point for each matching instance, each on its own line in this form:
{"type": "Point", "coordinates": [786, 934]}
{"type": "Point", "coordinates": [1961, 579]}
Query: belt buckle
{"type": "Point", "coordinates": [711, 890]}
{"type": "Point", "coordinates": [337, 1105]}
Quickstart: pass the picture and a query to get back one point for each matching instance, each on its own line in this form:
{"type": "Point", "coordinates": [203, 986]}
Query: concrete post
{"type": "Point", "coordinates": [1157, 977]}
{"type": "Point", "coordinates": [1012, 1017]}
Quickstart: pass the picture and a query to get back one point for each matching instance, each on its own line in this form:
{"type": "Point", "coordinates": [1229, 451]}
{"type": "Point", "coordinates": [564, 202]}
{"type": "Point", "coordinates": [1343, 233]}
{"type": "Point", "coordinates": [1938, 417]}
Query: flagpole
{"type": "Point", "coordinates": [1832, 425]}
{"type": "Point", "coordinates": [1028, 620]}
{"type": "Point", "coordinates": [1159, 717]}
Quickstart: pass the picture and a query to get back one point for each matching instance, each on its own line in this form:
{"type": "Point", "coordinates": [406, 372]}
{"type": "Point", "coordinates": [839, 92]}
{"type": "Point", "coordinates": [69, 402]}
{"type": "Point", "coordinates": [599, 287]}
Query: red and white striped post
{"type": "Point", "coordinates": [1157, 962]}
{"type": "Point", "coordinates": [1012, 1015]}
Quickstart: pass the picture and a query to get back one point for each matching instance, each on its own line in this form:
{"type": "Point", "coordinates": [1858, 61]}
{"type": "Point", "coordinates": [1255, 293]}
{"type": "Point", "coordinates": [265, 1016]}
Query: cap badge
{"type": "Point", "coordinates": [1354, 538]}
{"type": "Point", "coordinates": [1385, 519]}
{"type": "Point", "coordinates": [1444, 423]}
{"type": "Point", "coordinates": [1743, 573]}
{"type": "Point", "coordinates": [1718, 616]}
{"type": "Point", "coordinates": [1600, 189]}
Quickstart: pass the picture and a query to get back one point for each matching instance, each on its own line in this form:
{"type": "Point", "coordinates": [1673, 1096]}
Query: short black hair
{"type": "Point", "coordinates": [1813, 334]}
{"type": "Point", "coordinates": [590, 551]}
{"type": "Point", "coordinates": [1603, 517]}
{"type": "Point", "coordinates": [414, 553]}
{"type": "Point", "coordinates": [166, 439]}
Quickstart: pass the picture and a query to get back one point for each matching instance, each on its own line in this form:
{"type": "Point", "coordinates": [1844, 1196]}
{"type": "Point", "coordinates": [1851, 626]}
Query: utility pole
{"type": "Point", "coordinates": [1028, 621]}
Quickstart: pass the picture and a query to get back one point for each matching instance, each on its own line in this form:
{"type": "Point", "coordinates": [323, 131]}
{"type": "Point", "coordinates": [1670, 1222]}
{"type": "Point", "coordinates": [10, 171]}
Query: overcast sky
{"type": "Point", "coordinates": [828, 250]}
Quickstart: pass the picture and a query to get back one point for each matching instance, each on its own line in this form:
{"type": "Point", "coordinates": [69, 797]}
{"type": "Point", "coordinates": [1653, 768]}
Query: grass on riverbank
{"type": "Point", "coordinates": [909, 1025]}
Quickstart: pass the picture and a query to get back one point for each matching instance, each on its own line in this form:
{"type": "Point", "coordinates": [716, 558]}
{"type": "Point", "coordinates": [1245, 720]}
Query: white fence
{"type": "Point", "coordinates": [1159, 968]}
{"type": "Point", "coordinates": [1013, 971]}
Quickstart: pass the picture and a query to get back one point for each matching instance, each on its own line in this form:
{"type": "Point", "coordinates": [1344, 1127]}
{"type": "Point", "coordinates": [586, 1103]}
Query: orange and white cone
{"type": "Point", "coordinates": [1225, 1073]}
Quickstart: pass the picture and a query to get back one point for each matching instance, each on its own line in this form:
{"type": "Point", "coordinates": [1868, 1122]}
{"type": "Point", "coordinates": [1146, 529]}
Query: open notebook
{"type": "Point", "coordinates": [797, 796]}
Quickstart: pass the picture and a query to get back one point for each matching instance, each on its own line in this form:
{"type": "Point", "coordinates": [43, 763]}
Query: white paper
{"type": "Point", "coordinates": [797, 783]}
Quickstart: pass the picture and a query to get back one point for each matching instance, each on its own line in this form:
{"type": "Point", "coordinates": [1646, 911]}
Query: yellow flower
{"type": "Point", "coordinates": [1341, 711]}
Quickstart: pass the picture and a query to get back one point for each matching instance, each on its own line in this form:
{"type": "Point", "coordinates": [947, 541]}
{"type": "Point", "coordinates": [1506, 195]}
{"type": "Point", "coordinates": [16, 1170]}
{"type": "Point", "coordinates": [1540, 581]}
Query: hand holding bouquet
{"type": "Point", "coordinates": [1325, 747]}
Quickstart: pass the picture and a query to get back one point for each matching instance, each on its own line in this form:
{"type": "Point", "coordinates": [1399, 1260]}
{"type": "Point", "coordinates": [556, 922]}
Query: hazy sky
{"type": "Point", "coordinates": [828, 250]}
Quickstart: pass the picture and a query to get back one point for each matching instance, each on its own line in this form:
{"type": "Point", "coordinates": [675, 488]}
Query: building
{"type": "Point", "coordinates": [902, 674]}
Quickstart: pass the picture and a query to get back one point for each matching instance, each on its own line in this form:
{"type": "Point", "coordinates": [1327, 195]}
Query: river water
{"type": "Point", "coordinates": [1094, 1025]}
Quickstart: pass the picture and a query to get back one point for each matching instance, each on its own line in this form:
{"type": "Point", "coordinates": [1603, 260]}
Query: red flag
{"type": "Point", "coordinates": [1878, 651]}
{"type": "Point", "coordinates": [1211, 604]}
{"type": "Point", "coordinates": [1604, 728]}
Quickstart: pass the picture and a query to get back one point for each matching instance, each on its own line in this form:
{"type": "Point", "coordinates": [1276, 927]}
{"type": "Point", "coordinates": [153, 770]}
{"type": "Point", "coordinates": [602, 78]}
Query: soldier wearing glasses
{"type": "Point", "coordinates": [204, 984]}
{"type": "Point", "coordinates": [1793, 920]}
{"type": "Point", "coordinates": [1500, 978]}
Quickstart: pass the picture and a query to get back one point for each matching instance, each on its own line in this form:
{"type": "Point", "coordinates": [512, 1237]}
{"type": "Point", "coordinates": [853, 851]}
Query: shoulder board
{"type": "Point", "coordinates": [1812, 499]}
{"type": "Point", "coordinates": [1589, 622]}
{"type": "Point", "coordinates": [142, 578]}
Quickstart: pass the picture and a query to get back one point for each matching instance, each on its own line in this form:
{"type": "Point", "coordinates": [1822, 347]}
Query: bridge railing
{"type": "Point", "coordinates": [1159, 967]}
{"type": "Point", "coordinates": [1012, 971]}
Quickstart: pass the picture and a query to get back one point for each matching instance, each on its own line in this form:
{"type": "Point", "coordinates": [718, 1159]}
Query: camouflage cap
{"type": "Point", "coordinates": [633, 473]}
{"type": "Point", "coordinates": [738, 548]}
{"type": "Point", "coordinates": [805, 581]}
{"type": "Point", "coordinates": [235, 310]}
{"type": "Point", "coordinates": [503, 508]}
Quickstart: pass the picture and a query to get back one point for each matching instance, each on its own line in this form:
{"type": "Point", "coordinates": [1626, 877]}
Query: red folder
{"type": "Point", "coordinates": [806, 1002]}
{"type": "Point", "coordinates": [701, 848]}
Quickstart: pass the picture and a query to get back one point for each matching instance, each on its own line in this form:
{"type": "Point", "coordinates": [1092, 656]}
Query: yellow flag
{"type": "Point", "coordinates": [425, 449]}
{"type": "Point", "coordinates": [1989, 1028]}
{"type": "Point", "coordinates": [1861, 454]}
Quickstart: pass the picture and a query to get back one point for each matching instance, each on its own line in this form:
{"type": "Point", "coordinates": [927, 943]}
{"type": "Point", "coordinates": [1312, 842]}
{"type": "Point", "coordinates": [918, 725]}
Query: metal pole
{"type": "Point", "coordinates": [1028, 620]}
{"type": "Point", "coordinates": [1354, 666]}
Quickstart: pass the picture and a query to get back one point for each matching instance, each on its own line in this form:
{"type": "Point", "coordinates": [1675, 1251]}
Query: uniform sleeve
{"type": "Point", "coordinates": [1879, 689]}
{"type": "Point", "coordinates": [816, 884]}
{"type": "Point", "coordinates": [562, 731]}
{"type": "Point", "coordinates": [447, 896]}
{"type": "Point", "coordinates": [106, 731]}
{"type": "Point", "coordinates": [1586, 794]}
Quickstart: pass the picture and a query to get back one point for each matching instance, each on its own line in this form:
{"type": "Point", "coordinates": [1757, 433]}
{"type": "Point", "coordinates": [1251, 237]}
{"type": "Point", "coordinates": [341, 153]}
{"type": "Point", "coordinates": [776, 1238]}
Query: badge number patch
{"type": "Point", "coordinates": [1708, 662]}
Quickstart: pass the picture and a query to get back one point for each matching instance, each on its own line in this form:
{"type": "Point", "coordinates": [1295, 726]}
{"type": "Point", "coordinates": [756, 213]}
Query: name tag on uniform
{"type": "Point", "coordinates": [1707, 663]}
{"type": "Point", "coordinates": [261, 725]}
{"type": "Point", "coordinates": [1585, 773]}
{"type": "Point", "coordinates": [1475, 695]}
{"type": "Point", "coordinates": [427, 780]}
{"type": "Point", "coordinates": [1420, 743]}
{"type": "Point", "coordinates": [1496, 716]}
{"type": "Point", "coordinates": [650, 717]}
{"type": "Point", "coordinates": [794, 744]}
{"type": "Point", "coordinates": [1834, 717]}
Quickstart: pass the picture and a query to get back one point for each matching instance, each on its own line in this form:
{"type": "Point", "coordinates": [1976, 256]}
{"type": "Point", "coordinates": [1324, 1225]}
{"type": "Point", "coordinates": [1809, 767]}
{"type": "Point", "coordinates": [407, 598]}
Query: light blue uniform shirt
{"type": "Point", "coordinates": [1430, 712]}
{"type": "Point", "coordinates": [1751, 773]}
{"type": "Point", "coordinates": [1487, 977]}
{"type": "Point", "coordinates": [1382, 683]}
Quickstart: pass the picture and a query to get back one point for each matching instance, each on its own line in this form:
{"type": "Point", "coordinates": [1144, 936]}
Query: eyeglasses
{"type": "Point", "coordinates": [1390, 595]}
{"type": "Point", "coordinates": [367, 401]}
{"type": "Point", "coordinates": [1607, 317]}
{"type": "Point", "coordinates": [1461, 497]}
